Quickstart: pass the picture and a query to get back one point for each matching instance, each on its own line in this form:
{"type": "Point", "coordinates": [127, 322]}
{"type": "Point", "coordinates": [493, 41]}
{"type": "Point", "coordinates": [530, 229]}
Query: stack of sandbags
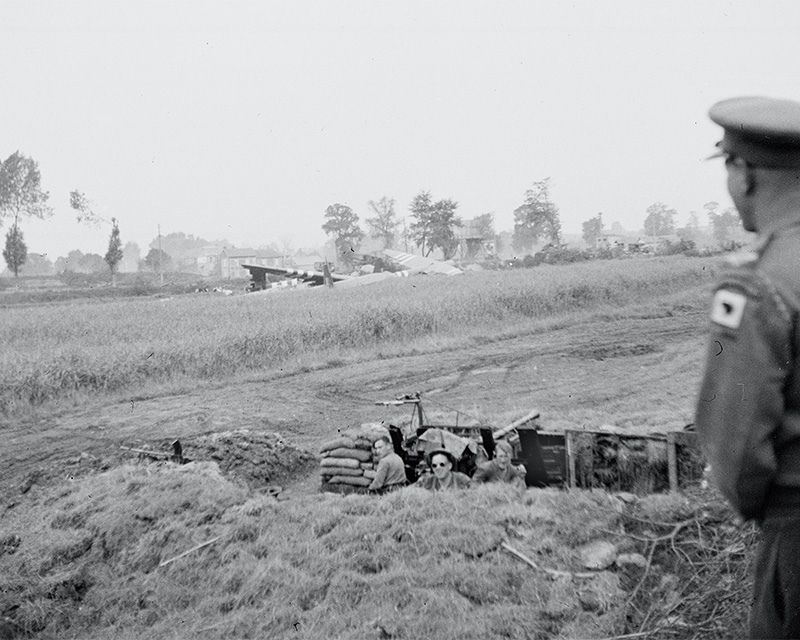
{"type": "Point", "coordinates": [346, 463]}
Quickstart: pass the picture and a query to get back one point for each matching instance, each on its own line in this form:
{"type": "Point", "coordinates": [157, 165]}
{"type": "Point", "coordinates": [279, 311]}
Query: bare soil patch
{"type": "Point", "coordinates": [494, 380]}
{"type": "Point", "coordinates": [324, 557]}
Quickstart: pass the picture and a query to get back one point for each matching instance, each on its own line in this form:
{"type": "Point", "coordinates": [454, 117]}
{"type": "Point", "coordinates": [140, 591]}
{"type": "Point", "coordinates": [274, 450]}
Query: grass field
{"type": "Point", "coordinates": [65, 350]}
{"type": "Point", "coordinates": [92, 547]}
{"type": "Point", "coordinates": [107, 559]}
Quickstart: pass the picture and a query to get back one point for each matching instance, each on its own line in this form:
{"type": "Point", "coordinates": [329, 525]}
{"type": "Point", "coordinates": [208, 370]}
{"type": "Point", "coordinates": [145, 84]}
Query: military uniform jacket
{"type": "Point", "coordinates": [491, 472]}
{"type": "Point", "coordinates": [391, 471]}
{"type": "Point", "coordinates": [748, 411]}
{"type": "Point", "coordinates": [456, 480]}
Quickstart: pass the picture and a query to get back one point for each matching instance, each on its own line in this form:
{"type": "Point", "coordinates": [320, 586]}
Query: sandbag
{"type": "Point", "coordinates": [351, 480]}
{"type": "Point", "coordinates": [372, 431]}
{"type": "Point", "coordinates": [340, 471]}
{"type": "Point", "coordinates": [350, 463]}
{"type": "Point", "coordinates": [342, 452]}
{"type": "Point", "coordinates": [367, 465]}
{"type": "Point", "coordinates": [342, 489]}
{"type": "Point", "coordinates": [343, 441]}
{"type": "Point", "coordinates": [363, 443]}
{"type": "Point", "coordinates": [368, 432]}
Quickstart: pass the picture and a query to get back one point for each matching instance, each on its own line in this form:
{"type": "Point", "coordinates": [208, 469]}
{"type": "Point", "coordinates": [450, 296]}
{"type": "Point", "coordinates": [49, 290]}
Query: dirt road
{"type": "Point", "coordinates": [639, 372]}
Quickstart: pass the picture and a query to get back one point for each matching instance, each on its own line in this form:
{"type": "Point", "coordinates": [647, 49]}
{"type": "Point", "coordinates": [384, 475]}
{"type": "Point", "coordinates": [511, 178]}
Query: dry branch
{"type": "Point", "coordinates": [188, 551]}
{"type": "Point", "coordinates": [552, 572]}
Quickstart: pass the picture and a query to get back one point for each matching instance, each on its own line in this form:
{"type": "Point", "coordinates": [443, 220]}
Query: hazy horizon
{"type": "Point", "coordinates": [245, 120]}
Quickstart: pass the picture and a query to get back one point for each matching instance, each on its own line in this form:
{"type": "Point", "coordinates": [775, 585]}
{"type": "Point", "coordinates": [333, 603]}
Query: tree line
{"type": "Point", "coordinates": [22, 196]}
{"type": "Point", "coordinates": [661, 221]}
{"type": "Point", "coordinates": [433, 223]}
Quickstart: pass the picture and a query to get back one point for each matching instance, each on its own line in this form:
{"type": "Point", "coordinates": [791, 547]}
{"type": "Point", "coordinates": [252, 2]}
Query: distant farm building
{"type": "Point", "coordinates": [205, 260]}
{"type": "Point", "coordinates": [476, 241]}
{"type": "Point", "coordinates": [231, 261]}
{"type": "Point", "coordinates": [306, 261]}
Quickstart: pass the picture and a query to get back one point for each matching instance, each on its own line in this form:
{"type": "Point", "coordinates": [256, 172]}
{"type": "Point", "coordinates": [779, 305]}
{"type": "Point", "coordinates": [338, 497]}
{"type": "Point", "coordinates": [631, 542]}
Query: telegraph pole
{"type": "Point", "coordinates": [160, 265]}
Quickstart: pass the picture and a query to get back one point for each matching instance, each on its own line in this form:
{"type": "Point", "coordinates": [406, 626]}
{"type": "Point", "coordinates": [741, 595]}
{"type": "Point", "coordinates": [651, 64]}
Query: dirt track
{"type": "Point", "coordinates": [640, 372]}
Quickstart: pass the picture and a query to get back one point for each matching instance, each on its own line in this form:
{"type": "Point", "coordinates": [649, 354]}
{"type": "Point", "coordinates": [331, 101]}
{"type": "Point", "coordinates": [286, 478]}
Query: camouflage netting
{"type": "Point", "coordinates": [346, 464]}
{"type": "Point", "coordinates": [638, 465]}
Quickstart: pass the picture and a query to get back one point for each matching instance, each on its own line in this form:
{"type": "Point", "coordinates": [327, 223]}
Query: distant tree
{"type": "Point", "coordinates": [78, 262]}
{"type": "Point", "coordinates": [37, 264]}
{"type": "Point", "coordinates": [114, 253]}
{"type": "Point", "coordinates": [384, 223]}
{"type": "Point", "coordinates": [87, 215]}
{"type": "Point", "coordinates": [286, 247]}
{"type": "Point", "coordinates": [85, 209]}
{"type": "Point", "coordinates": [182, 248]}
{"type": "Point", "coordinates": [21, 191]}
{"type": "Point", "coordinates": [443, 229]}
{"type": "Point", "coordinates": [484, 225]}
{"type": "Point", "coordinates": [593, 229]}
{"type": "Point", "coordinates": [15, 252]}
{"type": "Point", "coordinates": [691, 230]}
{"type": "Point", "coordinates": [617, 228]}
{"type": "Point", "coordinates": [157, 260]}
{"type": "Point", "coordinates": [711, 207]}
{"type": "Point", "coordinates": [505, 244]}
{"type": "Point", "coordinates": [724, 225]}
{"type": "Point", "coordinates": [342, 224]}
{"type": "Point", "coordinates": [131, 255]}
{"type": "Point", "coordinates": [421, 208]}
{"type": "Point", "coordinates": [434, 224]}
{"type": "Point", "coordinates": [660, 220]}
{"type": "Point", "coordinates": [537, 217]}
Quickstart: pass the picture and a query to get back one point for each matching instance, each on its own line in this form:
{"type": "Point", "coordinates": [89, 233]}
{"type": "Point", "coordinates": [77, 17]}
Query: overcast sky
{"type": "Point", "coordinates": [245, 120]}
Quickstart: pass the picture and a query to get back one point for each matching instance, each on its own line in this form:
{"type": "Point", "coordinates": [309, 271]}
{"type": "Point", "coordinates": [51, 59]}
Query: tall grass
{"type": "Point", "coordinates": [49, 352]}
{"type": "Point", "coordinates": [414, 564]}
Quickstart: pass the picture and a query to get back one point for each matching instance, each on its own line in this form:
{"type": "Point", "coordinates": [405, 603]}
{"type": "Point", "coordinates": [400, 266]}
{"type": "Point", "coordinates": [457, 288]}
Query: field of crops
{"type": "Point", "coordinates": [56, 351]}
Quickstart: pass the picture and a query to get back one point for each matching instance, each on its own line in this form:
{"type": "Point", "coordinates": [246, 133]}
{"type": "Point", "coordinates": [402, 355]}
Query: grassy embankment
{"type": "Point", "coordinates": [86, 560]}
{"type": "Point", "coordinates": [61, 351]}
{"type": "Point", "coordinates": [104, 558]}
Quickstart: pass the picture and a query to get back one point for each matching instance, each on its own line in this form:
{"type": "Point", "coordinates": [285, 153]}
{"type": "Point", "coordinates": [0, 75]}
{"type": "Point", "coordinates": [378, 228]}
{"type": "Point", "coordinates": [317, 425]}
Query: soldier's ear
{"type": "Point", "coordinates": [750, 180]}
{"type": "Point", "coordinates": [741, 178]}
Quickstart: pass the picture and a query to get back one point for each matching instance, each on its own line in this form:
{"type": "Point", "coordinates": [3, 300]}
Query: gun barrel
{"type": "Point", "coordinates": [500, 433]}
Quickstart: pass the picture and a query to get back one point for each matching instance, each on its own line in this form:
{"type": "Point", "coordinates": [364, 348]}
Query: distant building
{"type": "Point", "coordinates": [475, 243]}
{"type": "Point", "coordinates": [306, 261]}
{"type": "Point", "coordinates": [207, 260]}
{"type": "Point", "coordinates": [231, 261]}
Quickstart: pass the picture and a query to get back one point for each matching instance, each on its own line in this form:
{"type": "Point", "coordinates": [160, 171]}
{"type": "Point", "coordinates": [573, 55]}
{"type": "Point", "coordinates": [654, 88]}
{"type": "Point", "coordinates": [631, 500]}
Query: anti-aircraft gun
{"type": "Point", "coordinates": [542, 453]}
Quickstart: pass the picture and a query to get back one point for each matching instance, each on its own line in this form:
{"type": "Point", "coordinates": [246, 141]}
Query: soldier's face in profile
{"type": "Point", "coordinates": [502, 458]}
{"type": "Point", "coordinates": [441, 466]}
{"type": "Point", "coordinates": [739, 186]}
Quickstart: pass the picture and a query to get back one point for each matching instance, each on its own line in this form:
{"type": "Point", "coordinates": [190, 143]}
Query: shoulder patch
{"type": "Point", "coordinates": [727, 308]}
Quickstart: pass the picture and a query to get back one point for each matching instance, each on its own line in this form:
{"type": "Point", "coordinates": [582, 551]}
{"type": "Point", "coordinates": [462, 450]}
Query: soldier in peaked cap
{"type": "Point", "coordinates": [748, 410]}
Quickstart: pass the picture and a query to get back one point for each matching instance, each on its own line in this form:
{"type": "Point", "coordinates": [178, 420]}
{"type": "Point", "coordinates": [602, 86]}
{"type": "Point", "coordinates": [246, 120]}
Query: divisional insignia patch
{"type": "Point", "coordinates": [728, 308]}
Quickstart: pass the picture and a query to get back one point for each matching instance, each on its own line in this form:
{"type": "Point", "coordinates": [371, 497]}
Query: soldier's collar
{"type": "Point", "coordinates": [764, 241]}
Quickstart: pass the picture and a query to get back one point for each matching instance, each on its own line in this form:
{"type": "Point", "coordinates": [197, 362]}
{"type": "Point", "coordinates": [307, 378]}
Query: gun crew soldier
{"type": "Point", "coordinates": [500, 468]}
{"type": "Point", "coordinates": [391, 472]}
{"type": "Point", "coordinates": [443, 475]}
{"type": "Point", "coordinates": [748, 410]}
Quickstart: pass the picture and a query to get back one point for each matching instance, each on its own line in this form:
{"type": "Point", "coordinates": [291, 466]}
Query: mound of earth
{"type": "Point", "coordinates": [253, 458]}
